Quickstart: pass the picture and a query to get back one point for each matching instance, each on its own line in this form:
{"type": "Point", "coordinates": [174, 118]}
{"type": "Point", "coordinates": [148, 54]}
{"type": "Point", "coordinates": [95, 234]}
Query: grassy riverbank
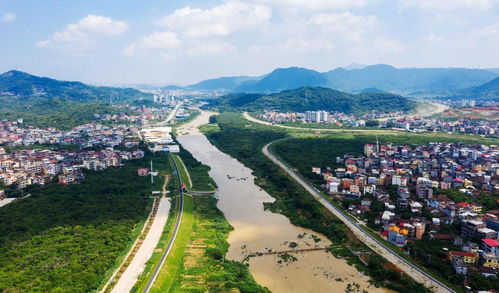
{"type": "Point", "coordinates": [196, 262]}
{"type": "Point", "coordinates": [198, 172]}
{"type": "Point", "coordinates": [201, 265]}
{"type": "Point", "coordinates": [66, 238]}
{"type": "Point", "coordinates": [244, 140]}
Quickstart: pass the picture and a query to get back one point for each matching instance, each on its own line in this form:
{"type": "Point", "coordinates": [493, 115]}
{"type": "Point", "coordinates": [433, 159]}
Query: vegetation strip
{"type": "Point", "coordinates": [151, 280]}
{"type": "Point", "coordinates": [173, 261]}
{"type": "Point", "coordinates": [184, 173]}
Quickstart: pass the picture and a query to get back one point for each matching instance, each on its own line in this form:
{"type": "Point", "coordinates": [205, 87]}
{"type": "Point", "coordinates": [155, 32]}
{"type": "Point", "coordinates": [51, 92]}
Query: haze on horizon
{"type": "Point", "coordinates": [161, 42]}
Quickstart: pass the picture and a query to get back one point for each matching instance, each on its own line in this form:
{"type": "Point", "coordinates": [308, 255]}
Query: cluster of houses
{"type": "Point", "coordinates": [139, 115]}
{"type": "Point", "coordinates": [327, 117]}
{"type": "Point", "coordinates": [15, 133]}
{"type": "Point", "coordinates": [406, 182]}
{"type": "Point", "coordinates": [408, 123]}
{"type": "Point", "coordinates": [463, 125]}
{"type": "Point", "coordinates": [21, 168]}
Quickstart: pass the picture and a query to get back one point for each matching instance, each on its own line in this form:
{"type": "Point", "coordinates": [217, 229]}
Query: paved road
{"type": "Point", "coordinates": [174, 236]}
{"type": "Point", "coordinates": [138, 263]}
{"type": "Point", "coordinates": [374, 131]}
{"type": "Point", "coordinates": [6, 201]}
{"type": "Point", "coordinates": [359, 231]}
{"type": "Point", "coordinates": [172, 114]}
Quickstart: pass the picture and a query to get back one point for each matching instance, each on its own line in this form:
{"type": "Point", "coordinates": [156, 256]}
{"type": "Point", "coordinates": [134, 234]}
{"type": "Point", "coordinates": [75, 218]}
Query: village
{"type": "Point", "coordinates": [61, 154]}
{"type": "Point", "coordinates": [407, 193]}
{"type": "Point", "coordinates": [395, 120]}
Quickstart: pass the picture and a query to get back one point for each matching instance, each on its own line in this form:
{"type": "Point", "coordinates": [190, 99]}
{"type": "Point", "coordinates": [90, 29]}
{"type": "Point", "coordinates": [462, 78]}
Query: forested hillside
{"type": "Point", "coordinates": [314, 98]}
{"type": "Point", "coordinates": [45, 102]}
{"type": "Point", "coordinates": [17, 83]}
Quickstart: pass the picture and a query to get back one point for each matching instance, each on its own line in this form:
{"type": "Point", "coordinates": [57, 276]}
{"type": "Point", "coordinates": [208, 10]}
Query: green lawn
{"type": "Point", "coordinates": [175, 258]}
{"type": "Point", "coordinates": [183, 172]}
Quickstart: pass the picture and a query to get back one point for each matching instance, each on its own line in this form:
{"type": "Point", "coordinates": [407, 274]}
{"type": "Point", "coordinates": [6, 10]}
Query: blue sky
{"type": "Point", "coordinates": [180, 42]}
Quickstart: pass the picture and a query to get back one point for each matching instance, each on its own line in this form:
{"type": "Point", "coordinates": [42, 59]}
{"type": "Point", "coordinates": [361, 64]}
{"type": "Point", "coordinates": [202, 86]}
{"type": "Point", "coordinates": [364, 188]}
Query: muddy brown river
{"type": "Point", "coordinates": [257, 230]}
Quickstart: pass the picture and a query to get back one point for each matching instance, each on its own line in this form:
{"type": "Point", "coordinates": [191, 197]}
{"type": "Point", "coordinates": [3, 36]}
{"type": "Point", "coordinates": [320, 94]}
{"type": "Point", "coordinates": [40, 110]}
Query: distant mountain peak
{"type": "Point", "coordinates": [13, 72]}
{"type": "Point", "coordinates": [354, 66]}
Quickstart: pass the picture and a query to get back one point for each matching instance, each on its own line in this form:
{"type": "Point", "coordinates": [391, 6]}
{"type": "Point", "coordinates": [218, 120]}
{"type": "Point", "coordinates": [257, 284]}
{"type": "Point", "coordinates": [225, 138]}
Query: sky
{"type": "Point", "coordinates": [182, 42]}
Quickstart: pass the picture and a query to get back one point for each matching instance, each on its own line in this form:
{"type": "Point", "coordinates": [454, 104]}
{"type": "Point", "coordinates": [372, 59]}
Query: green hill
{"type": "Point", "coordinates": [17, 83]}
{"type": "Point", "coordinates": [46, 102]}
{"type": "Point", "coordinates": [284, 79]}
{"type": "Point", "coordinates": [314, 98]}
{"type": "Point", "coordinates": [486, 91]}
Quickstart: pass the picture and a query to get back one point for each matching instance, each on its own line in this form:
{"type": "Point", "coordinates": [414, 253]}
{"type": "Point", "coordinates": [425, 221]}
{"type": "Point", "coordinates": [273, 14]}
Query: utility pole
{"type": "Point", "coordinates": [377, 144]}
{"type": "Point", "coordinates": [152, 177]}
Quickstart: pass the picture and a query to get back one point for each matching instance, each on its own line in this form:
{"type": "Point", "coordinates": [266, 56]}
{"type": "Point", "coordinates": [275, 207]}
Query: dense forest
{"type": "Point", "coordinates": [51, 112]}
{"type": "Point", "coordinates": [64, 238]}
{"type": "Point", "coordinates": [314, 98]}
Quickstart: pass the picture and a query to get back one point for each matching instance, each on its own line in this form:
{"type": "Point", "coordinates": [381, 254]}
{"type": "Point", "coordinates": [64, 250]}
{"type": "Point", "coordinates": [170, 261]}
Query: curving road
{"type": "Point", "coordinates": [360, 231]}
{"type": "Point", "coordinates": [155, 273]}
{"type": "Point", "coordinates": [374, 131]}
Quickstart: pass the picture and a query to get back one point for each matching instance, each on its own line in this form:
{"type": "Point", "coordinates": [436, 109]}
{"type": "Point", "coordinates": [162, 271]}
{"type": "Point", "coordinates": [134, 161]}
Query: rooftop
{"type": "Point", "coordinates": [491, 242]}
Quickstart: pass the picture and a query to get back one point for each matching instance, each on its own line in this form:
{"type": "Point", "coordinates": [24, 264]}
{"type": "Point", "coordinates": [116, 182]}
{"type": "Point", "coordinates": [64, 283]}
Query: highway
{"type": "Point", "coordinates": [172, 114]}
{"type": "Point", "coordinates": [378, 246]}
{"type": "Point", "coordinates": [155, 273]}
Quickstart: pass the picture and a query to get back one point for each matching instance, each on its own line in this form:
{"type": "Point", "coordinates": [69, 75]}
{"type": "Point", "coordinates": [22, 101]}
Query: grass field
{"type": "Point", "coordinates": [183, 172]}
{"type": "Point", "coordinates": [174, 261]}
{"type": "Point", "coordinates": [154, 260]}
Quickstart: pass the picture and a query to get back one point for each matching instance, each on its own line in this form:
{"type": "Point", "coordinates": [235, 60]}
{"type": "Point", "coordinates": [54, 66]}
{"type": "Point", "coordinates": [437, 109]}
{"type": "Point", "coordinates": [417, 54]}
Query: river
{"type": "Point", "coordinates": [257, 230]}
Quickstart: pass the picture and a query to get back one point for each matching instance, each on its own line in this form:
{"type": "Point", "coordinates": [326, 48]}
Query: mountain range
{"type": "Point", "coordinates": [406, 81]}
{"type": "Point", "coordinates": [21, 84]}
{"type": "Point", "coordinates": [489, 91]}
{"type": "Point", "coordinates": [314, 98]}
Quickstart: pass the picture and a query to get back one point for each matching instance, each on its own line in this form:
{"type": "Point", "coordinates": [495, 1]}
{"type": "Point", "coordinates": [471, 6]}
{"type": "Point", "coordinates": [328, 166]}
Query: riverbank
{"type": "Point", "coordinates": [257, 229]}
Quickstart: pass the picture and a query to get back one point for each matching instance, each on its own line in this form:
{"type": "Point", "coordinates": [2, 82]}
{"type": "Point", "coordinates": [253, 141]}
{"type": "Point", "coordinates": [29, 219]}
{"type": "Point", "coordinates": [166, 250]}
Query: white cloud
{"type": "Point", "coordinates": [8, 17]}
{"type": "Point", "coordinates": [448, 4]}
{"type": "Point", "coordinates": [42, 43]}
{"type": "Point", "coordinates": [221, 20]}
{"type": "Point", "coordinates": [386, 45]}
{"type": "Point", "coordinates": [163, 41]}
{"type": "Point", "coordinates": [316, 5]}
{"type": "Point", "coordinates": [346, 25]}
{"type": "Point", "coordinates": [210, 48]}
{"type": "Point", "coordinates": [487, 32]}
{"type": "Point", "coordinates": [433, 38]}
{"type": "Point", "coordinates": [308, 45]}
{"type": "Point", "coordinates": [87, 27]}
